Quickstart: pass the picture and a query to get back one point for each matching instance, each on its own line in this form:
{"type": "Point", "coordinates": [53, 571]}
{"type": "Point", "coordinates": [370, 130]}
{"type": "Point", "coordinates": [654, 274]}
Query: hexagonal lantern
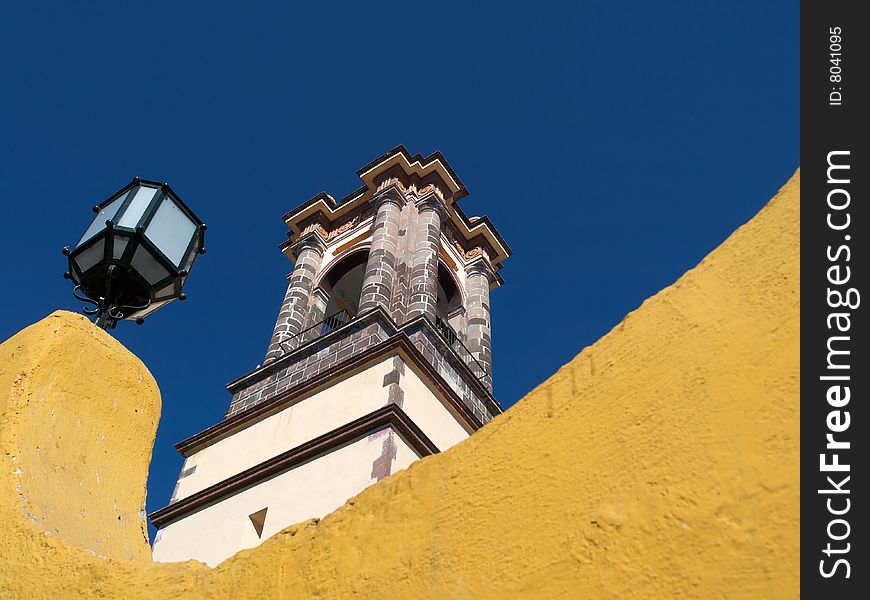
{"type": "Point", "coordinates": [137, 253]}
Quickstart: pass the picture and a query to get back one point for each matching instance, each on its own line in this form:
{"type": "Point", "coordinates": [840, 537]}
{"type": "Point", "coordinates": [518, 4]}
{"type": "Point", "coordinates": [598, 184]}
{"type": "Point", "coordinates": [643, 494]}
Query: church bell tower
{"type": "Point", "coordinates": [381, 354]}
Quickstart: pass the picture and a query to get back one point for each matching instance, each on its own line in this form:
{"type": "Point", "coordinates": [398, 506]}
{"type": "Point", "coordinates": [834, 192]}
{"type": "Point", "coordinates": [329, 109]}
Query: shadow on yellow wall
{"type": "Point", "coordinates": [660, 462]}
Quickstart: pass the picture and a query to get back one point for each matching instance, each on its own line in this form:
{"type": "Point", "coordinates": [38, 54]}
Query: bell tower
{"type": "Point", "coordinates": [381, 354]}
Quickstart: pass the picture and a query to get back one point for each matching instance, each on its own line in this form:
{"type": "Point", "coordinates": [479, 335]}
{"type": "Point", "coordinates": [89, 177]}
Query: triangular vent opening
{"type": "Point", "coordinates": [258, 519]}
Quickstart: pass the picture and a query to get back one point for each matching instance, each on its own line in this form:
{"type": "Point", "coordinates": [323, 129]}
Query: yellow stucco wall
{"type": "Point", "coordinates": [660, 462]}
{"type": "Point", "coordinates": [72, 400]}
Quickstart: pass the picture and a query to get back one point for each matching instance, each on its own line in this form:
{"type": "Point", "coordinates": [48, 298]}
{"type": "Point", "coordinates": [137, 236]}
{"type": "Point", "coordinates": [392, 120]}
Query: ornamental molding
{"type": "Point", "coordinates": [413, 177]}
{"type": "Point", "coordinates": [312, 240]}
{"type": "Point", "coordinates": [472, 252]}
{"type": "Point", "coordinates": [431, 201]}
{"type": "Point", "coordinates": [389, 191]}
{"type": "Point", "coordinates": [329, 235]}
{"type": "Point", "coordinates": [482, 266]}
{"type": "Point", "coordinates": [410, 190]}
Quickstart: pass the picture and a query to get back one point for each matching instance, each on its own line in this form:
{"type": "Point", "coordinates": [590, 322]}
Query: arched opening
{"type": "Point", "coordinates": [449, 300]}
{"type": "Point", "coordinates": [344, 282]}
{"type": "Point", "coordinates": [343, 286]}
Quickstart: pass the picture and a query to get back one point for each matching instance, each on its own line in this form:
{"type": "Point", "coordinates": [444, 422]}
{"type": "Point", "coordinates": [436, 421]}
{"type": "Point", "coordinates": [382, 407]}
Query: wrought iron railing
{"type": "Point", "coordinates": [340, 318]}
{"type": "Point", "coordinates": [455, 342]}
{"type": "Point", "coordinates": [333, 321]}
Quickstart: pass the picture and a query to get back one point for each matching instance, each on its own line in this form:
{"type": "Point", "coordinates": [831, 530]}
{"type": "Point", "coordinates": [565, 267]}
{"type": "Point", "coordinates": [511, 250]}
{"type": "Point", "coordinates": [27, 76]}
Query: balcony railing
{"type": "Point", "coordinates": [340, 318]}
{"type": "Point", "coordinates": [333, 321]}
{"type": "Point", "coordinates": [455, 342]}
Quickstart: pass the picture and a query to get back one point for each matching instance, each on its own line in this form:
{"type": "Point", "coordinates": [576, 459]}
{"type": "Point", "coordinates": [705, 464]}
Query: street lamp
{"type": "Point", "coordinates": [136, 255]}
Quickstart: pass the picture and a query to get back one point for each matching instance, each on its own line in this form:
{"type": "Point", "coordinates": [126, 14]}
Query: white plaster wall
{"type": "Point", "coordinates": [457, 258]}
{"type": "Point", "coordinates": [312, 489]}
{"type": "Point", "coordinates": [405, 455]}
{"type": "Point", "coordinates": [429, 413]}
{"type": "Point", "coordinates": [330, 408]}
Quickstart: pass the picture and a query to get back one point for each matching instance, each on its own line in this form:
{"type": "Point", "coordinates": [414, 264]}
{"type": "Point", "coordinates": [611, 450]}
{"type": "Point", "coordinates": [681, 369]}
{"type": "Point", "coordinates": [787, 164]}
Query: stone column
{"type": "Point", "coordinates": [423, 297]}
{"type": "Point", "coordinates": [478, 339]}
{"type": "Point", "coordinates": [318, 300]}
{"type": "Point", "coordinates": [377, 287]}
{"type": "Point", "coordinates": [291, 319]}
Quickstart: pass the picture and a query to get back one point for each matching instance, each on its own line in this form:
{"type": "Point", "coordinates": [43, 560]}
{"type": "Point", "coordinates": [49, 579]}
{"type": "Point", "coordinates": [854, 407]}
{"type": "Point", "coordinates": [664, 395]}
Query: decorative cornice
{"type": "Point", "coordinates": [415, 174]}
{"type": "Point", "coordinates": [329, 234]}
{"type": "Point", "coordinates": [312, 240]}
{"type": "Point", "coordinates": [392, 192]}
{"type": "Point", "coordinates": [431, 200]}
{"type": "Point", "coordinates": [480, 265]}
{"type": "Point", "coordinates": [473, 253]}
{"type": "Point", "coordinates": [388, 416]}
{"type": "Point", "coordinates": [411, 189]}
{"type": "Point", "coordinates": [419, 166]}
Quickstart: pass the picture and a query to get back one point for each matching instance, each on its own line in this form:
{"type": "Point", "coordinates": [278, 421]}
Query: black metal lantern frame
{"type": "Point", "coordinates": [137, 253]}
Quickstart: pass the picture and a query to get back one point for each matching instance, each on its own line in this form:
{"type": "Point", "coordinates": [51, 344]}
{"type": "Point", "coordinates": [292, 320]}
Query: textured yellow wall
{"type": "Point", "coordinates": [661, 462]}
{"type": "Point", "coordinates": [78, 422]}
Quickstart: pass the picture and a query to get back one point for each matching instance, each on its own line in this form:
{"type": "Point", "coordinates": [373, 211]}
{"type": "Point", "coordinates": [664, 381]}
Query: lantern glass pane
{"type": "Point", "coordinates": [148, 266]}
{"type": "Point", "coordinates": [147, 311]}
{"type": "Point", "coordinates": [134, 211]}
{"type": "Point", "coordinates": [88, 258]}
{"type": "Point", "coordinates": [171, 230]}
{"type": "Point", "coordinates": [99, 222]}
{"type": "Point", "coordinates": [167, 291]}
{"type": "Point", "coordinates": [119, 245]}
{"type": "Point", "coordinates": [188, 262]}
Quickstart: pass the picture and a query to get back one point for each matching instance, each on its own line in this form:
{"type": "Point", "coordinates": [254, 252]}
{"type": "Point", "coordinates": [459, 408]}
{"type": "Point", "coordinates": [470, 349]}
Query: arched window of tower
{"type": "Point", "coordinates": [449, 299]}
{"type": "Point", "coordinates": [343, 283]}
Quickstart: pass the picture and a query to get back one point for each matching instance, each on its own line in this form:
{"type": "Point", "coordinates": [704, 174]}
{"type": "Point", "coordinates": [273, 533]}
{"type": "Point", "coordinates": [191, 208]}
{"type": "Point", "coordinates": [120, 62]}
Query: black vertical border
{"type": "Point", "coordinates": [826, 127]}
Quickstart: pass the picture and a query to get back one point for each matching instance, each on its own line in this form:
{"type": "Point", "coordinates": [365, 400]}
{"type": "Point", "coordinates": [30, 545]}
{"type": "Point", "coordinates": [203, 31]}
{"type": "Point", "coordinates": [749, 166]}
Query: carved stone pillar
{"type": "Point", "coordinates": [423, 297]}
{"type": "Point", "coordinates": [294, 309]}
{"type": "Point", "coordinates": [377, 287]}
{"type": "Point", "coordinates": [479, 276]}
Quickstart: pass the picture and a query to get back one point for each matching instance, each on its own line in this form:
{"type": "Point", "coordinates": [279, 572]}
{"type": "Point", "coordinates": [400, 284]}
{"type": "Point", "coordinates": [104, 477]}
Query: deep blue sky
{"type": "Point", "coordinates": [613, 144]}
